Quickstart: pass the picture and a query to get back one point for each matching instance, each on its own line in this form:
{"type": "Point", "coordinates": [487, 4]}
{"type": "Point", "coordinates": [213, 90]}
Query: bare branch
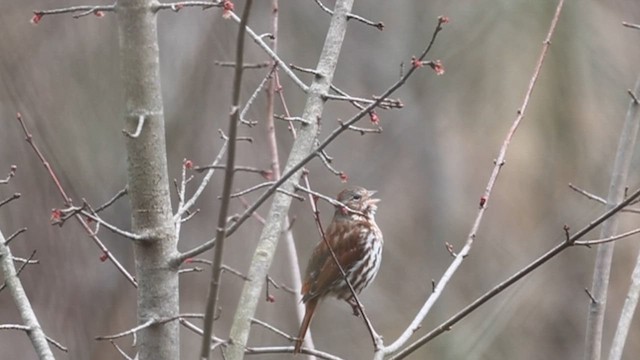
{"type": "Point", "coordinates": [265, 184]}
{"type": "Point", "coordinates": [19, 296]}
{"type": "Point", "coordinates": [272, 328]}
{"type": "Point", "coordinates": [608, 239]}
{"type": "Point", "coordinates": [10, 199]}
{"type": "Point", "coordinates": [328, 199]}
{"type": "Point", "coordinates": [587, 194]}
{"type": "Point", "coordinates": [234, 116]}
{"type": "Point", "coordinates": [177, 6]}
{"type": "Point", "coordinates": [25, 261]}
{"type": "Point", "coordinates": [232, 64]}
{"type": "Point", "coordinates": [148, 323]}
{"type": "Point", "coordinates": [253, 97]}
{"type": "Point", "coordinates": [113, 228]}
{"type": "Point", "coordinates": [363, 131]}
{"type": "Point", "coordinates": [288, 349]}
{"type": "Point", "coordinates": [415, 323]}
{"type": "Point", "coordinates": [115, 198]}
{"type": "Point", "coordinates": [386, 104]}
{"type": "Point", "coordinates": [84, 10]}
{"type": "Point", "coordinates": [264, 173]}
{"type": "Point", "coordinates": [216, 341]}
{"type": "Point", "coordinates": [378, 25]}
{"type": "Point", "coordinates": [205, 181]}
{"type": "Point", "coordinates": [633, 97]}
{"type": "Point", "coordinates": [594, 197]}
{"type": "Point", "coordinates": [292, 118]}
{"type": "Point", "coordinates": [14, 235]}
{"type": "Point", "coordinates": [631, 25]}
{"type": "Point", "coordinates": [251, 189]}
{"type": "Point", "coordinates": [281, 64]}
{"type": "Point", "coordinates": [119, 350]}
{"type": "Point", "coordinates": [22, 266]}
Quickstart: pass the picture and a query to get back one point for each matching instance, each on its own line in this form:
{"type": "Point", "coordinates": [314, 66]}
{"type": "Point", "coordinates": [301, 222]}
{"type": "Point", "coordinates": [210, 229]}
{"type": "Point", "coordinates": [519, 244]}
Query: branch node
{"type": "Point", "coordinates": [634, 98]}
{"type": "Point", "coordinates": [593, 300]}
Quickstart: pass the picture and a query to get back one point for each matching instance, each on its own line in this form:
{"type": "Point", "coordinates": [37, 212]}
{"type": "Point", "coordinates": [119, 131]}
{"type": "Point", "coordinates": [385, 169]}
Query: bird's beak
{"type": "Point", "coordinates": [371, 193]}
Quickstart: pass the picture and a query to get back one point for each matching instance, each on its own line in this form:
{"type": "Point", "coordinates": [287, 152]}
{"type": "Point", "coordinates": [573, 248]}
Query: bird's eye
{"type": "Point", "coordinates": [357, 196]}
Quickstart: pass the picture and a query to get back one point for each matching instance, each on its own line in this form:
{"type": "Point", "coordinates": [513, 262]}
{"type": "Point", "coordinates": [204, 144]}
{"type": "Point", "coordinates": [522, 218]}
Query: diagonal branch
{"type": "Point", "coordinates": [19, 296]}
{"type": "Point", "coordinates": [569, 242]}
{"type": "Point", "coordinates": [499, 162]}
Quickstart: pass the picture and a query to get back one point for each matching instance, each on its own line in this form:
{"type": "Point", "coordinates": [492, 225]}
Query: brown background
{"type": "Point", "coordinates": [430, 166]}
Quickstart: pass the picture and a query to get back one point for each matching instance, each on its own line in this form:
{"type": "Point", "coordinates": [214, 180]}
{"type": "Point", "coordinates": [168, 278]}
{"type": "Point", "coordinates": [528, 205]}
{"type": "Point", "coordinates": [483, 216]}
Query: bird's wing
{"type": "Point", "coordinates": [344, 239]}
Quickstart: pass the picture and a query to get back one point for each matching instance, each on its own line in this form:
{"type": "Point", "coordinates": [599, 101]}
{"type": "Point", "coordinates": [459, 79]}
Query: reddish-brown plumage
{"type": "Point", "coordinates": [357, 242]}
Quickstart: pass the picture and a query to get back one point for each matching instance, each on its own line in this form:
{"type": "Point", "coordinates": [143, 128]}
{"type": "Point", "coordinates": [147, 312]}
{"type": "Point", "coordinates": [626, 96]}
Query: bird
{"type": "Point", "coordinates": [357, 243]}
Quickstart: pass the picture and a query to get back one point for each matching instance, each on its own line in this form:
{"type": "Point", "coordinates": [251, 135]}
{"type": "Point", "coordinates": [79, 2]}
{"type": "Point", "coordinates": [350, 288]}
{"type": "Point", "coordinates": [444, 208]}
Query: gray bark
{"type": "Point", "coordinates": [148, 181]}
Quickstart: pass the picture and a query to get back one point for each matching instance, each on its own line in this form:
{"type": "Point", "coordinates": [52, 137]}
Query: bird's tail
{"type": "Point", "coordinates": [308, 315]}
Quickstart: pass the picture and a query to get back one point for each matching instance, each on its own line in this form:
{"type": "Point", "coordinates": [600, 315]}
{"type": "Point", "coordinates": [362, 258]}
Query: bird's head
{"type": "Point", "coordinates": [358, 199]}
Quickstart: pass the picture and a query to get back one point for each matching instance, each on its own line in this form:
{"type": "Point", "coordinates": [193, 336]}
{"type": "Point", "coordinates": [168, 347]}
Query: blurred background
{"type": "Point", "coordinates": [430, 166]}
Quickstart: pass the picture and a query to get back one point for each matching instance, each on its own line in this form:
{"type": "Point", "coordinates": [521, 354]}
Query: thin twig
{"type": "Point", "coordinates": [609, 239]}
{"type": "Point", "coordinates": [281, 64]}
{"type": "Point", "coordinates": [23, 260]}
{"type": "Point", "coordinates": [113, 228]}
{"type": "Point", "coordinates": [232, 64]}
{"type": "Point", "coordinates": [248, 169]}
{"type": "Point", "coordinates": [85, 10]}
{"type": "Point", "coordinates": [18, 295]}
{"type": "Point", "coordinates": [119, 350]}
{"type": "Point", "coordinates": [115, 198]}
{"type": "Point", "coordinates": [596, 198]}
{"type": "Point", "coordinates": [289, 350]}
{"type": "Point", "coordinates": [328, 199]}
{"type": "Point", "coordinates": [272, 328]}
{"type": "Point", "coordinates": [292, 118]}
{"type": "Point", "coordinates": [378, 25]}
{"type": "Point", "coordinates": [148, 323]}
{"type": "Point", "coordinates": [22, 266]}
{"type": "Point", "coordinates": [205, 181]}
{"type": "Point", "coordinates": [386, 104]}
{"type": "Point", "coordinates": [254, 96]}
{"type": "Point", "coordinates": [189, 325]}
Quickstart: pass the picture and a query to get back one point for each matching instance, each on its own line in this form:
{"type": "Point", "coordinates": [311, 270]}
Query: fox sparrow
{"type": "Point", "coordinates": [357, 242]}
